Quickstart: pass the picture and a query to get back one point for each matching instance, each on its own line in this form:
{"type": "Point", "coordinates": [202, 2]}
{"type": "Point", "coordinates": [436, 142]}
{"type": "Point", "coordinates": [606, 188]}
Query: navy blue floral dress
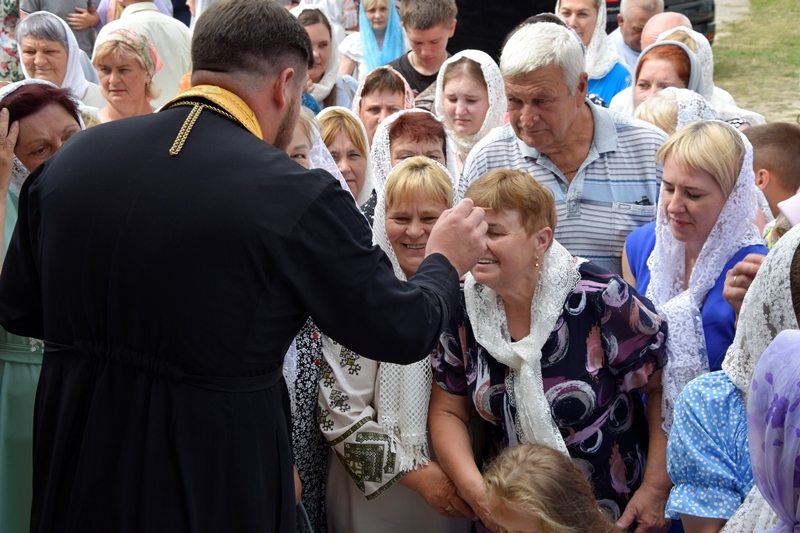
{"type": "Point", "coordinates": [607, 344]}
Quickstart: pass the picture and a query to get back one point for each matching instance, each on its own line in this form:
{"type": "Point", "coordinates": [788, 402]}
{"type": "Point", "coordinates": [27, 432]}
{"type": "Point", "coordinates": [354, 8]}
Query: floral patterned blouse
{"type": "Point", "coordinates": [607, 344]}
{"type": "Point", "coordinates": [9, 58]}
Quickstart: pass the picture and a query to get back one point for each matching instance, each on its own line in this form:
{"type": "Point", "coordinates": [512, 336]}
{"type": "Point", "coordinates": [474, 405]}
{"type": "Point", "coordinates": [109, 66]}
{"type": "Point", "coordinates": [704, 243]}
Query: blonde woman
{"type": "Point", "coordinates": [126, 62]}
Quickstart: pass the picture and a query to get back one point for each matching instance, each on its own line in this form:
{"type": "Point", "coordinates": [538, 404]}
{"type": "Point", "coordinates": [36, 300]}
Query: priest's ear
{"type": "Point", "coordinates": [288, 87]}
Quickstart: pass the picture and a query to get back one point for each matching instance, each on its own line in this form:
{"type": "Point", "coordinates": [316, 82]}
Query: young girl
{"type": "Point", "coordinates": [534, 489]}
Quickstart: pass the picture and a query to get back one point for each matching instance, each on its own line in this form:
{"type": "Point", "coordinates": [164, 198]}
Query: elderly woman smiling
{"type": "Point", "coordinates": [551, 348]}
{"type": "Point", "coordinates": [126, 62]}
{"type": "Point", "coordinates": [49, 51]}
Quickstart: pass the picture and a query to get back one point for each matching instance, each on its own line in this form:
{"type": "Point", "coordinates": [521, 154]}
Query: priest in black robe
{"type": "Point", "coordinates": [167, 261]}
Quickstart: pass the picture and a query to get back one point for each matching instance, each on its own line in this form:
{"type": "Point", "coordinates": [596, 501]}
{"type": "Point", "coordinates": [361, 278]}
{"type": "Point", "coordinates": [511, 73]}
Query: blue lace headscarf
{"type": "Point", "coordinates": [393, 41]}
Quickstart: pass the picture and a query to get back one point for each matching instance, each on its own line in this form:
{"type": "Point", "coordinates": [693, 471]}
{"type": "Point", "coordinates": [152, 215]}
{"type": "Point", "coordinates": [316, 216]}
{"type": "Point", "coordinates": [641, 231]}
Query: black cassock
{"type": "Point", "coordinates": [167, 290]}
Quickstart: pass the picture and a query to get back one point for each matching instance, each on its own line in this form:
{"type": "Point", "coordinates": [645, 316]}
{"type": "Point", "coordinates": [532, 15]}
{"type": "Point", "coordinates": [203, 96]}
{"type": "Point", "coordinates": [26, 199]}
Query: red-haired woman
{"type": "Point", "coordinates": [661, 65]}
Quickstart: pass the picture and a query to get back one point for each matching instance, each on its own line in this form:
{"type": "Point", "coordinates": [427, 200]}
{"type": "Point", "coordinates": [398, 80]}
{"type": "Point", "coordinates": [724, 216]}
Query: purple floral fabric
{"type": "Point", "coordinates": [606, 345]}
{"type": "Point", "coordinates": [773, 424]}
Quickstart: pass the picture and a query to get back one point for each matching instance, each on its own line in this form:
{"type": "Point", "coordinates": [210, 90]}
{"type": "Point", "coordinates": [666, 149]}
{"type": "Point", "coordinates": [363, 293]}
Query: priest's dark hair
{"type": "Point", "coordinates": [31, 98]}
{"type": "Point", "coordinates": [249, 36]}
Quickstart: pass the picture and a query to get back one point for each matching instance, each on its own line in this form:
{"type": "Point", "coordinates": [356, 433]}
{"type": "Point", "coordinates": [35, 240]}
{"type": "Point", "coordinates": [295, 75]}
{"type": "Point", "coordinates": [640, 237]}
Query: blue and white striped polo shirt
{"type": "Point", "coordinates": [614, 192]}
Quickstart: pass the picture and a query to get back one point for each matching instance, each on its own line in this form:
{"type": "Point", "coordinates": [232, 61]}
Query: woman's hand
{"type": "Point", "coordinates": [8, 141]}
{"type": "Point", "coordinates": [646, 508]}
{"type": "Point", "coordinates": [738, 280]}
{"type": "Point", "coordinates": [438, 490]}
{"type": "Point", "coordinates": [475, 495]}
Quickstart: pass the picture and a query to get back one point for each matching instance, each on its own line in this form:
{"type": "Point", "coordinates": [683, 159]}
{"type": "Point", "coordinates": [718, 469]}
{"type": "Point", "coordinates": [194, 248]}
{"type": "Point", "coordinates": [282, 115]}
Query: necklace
{"type": "Point", "coordinates": [188, 124]}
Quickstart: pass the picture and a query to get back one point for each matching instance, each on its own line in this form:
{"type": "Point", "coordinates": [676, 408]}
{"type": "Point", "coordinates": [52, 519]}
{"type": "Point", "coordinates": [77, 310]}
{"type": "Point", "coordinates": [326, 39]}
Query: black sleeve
{"type": "Point", "coordinates": [350, 290]}
{"type": "Point", "coordinates": [20, 288]}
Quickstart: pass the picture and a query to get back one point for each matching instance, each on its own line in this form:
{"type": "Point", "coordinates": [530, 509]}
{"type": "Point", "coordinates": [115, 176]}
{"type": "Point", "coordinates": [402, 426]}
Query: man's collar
{"type": "Point", "coordinates": [139, 6]}
{"type": "Point", "coordinates": [604, 136]}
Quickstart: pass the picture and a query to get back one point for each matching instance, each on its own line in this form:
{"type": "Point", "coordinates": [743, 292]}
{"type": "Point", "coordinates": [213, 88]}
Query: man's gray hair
{"type": "Point", "coordinates": [651, 7]}
{"type": "Point", "coordinates": [43, 25]}
{"type": "Point", "coordinates": [538, 45]}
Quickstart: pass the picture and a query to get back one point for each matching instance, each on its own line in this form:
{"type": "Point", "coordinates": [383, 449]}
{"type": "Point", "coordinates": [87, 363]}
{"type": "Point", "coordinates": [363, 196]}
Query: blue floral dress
{"type": "Point", "coordinates": [607, 344]}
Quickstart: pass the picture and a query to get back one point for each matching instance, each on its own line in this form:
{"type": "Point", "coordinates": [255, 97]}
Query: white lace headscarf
{"type": "Point", "coordinates": [369, 182]}
{"type": "Point", "coordinates": [381, 155]}
{"type": "Point", "coordinates": [722, 108]}
{"type": "Point", "coordinates": [74, 79]}
{"type": "Point", "coordinates": [692, 107]}
{"type": "Point", "coordinates": [767, 310]}
{"type": "Point", "coordinates": [408, 94]}
{"type": "Point", "coordinates": [557, 279]}
{"type": "Point", "coordinates": [600, 58]}
{"type": "Point", "coordinates": [695, 73]}
{"type": "Point", "coordinates": [323, 88]}
{"type": "Point", "coordinates": [733, 230]}
{"type": "Point", "coordinates": [19, 173]}
{"type": "Point", "coordinates": [497, 100]}
{"type": "Point", "coordinates": [404, 390]}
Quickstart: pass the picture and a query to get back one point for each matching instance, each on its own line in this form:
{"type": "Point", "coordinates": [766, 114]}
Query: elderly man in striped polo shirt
{"type": "Point", "coordinates": [599, 165]}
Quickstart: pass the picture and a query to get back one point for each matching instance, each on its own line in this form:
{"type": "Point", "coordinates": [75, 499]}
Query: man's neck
{"type": "Point", "coordinates": [569, 157]}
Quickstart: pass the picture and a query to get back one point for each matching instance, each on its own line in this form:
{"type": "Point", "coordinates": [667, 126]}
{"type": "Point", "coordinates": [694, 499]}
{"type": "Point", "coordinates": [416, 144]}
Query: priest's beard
{"type": "Point", "coordinates": [286, 129]}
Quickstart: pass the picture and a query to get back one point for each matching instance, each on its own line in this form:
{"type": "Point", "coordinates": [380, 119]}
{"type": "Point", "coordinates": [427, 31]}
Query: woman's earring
{"type": "Point", "coordinates": [537, 262]}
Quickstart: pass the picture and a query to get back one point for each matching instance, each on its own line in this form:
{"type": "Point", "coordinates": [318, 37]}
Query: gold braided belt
{"type": "Point", "coordinates": [220, 101]}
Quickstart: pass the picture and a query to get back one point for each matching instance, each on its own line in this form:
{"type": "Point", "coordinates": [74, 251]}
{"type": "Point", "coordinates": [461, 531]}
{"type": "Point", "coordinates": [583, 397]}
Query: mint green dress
{"type": "Point", "coordinates": [20, 364]}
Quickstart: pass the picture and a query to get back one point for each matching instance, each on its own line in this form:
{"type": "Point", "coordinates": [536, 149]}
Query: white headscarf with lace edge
{"type": "Point", "coordinates": [495, 88]}
{"type": "Point", "coordinates": [732, 231]}
{"type": "Point", "coordinates": [404, 390]}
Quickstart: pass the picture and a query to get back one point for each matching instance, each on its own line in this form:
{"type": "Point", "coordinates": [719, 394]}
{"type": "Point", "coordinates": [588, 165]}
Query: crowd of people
{"type": "Point", "coordinates": [295, 267]}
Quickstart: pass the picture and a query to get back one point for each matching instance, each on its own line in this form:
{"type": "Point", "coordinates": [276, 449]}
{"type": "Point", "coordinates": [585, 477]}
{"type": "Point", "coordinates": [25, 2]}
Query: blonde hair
{"type": "Point", "coordinates": [336, 121]}
{"type": "Point", "coordinates": [682, 36]}
{"type": "Point", "coordinates": [661, 110]}
{"type": "Point", "coordinates": [418, 177]}
{"type": "Point", "coordinates": [515, 190]}
{"type": "Point", "coordinates": [308, 123]}
{"type": "Point", "coordinates": [120, 50]}
{"type": "Point", "coordinates": [712, 146]}
{"type": "Point", "coordinates": [536, 480]}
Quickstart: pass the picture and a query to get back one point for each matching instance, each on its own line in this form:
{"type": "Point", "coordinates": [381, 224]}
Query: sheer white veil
{"type": "Point", "coordinates": [323, 88]}
{"type": "Point", "coordinates": [733, 230]}
{"type": "Point", "coordinates": [497, 100]}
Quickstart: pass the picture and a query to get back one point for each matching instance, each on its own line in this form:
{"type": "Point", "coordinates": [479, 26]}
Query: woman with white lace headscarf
{"type": "Point", "coordinates": [552, 349]}
{"type": "Point", "coordinates": [703, 228]}
{"type": "Point", "coordinates": [608, 74]}
{"type": "Point", "coordinates": [470, 100]}
{"type": "Point", "coordinates": [375, 414]}
{"type": "Point", "coordinates": [34, 108]}
{"type": "Point", "coordinates": [410, 133]}
{"type": "Point", "coordinates": [662, 64]}
{"type": "Point", "coordinates": [707, 454]}
{"type": "Point", "coordinates": [327, 86]}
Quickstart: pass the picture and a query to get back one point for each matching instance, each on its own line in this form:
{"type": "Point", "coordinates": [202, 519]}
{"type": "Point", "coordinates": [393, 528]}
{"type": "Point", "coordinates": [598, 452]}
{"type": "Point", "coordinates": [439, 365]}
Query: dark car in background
{"type": "Point", "coordinates": [700, 12]}
{"type": "Point", "coordinates": [484, 24]}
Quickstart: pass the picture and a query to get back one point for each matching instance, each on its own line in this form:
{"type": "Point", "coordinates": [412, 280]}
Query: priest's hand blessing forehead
{"type": "Point", "coordinates": [458, 235]}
